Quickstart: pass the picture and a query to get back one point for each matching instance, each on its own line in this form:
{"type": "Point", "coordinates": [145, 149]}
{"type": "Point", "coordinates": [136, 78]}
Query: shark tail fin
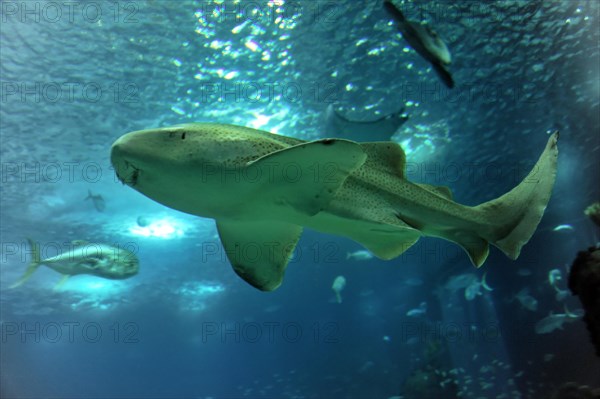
{"type": "Point", "coordinates": [33, 266]}
{"type": "Point", "coordinates": [514, 216]}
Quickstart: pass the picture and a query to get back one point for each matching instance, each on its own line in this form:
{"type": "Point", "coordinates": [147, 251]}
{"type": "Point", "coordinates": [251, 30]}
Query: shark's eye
{"type": "Point", "coordinates": [183, 136]}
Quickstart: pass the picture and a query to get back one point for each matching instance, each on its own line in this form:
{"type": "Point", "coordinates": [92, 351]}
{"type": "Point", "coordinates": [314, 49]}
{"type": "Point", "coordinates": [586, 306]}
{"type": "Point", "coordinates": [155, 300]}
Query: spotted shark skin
{"type": "Point", "coordinates": [262, 189]}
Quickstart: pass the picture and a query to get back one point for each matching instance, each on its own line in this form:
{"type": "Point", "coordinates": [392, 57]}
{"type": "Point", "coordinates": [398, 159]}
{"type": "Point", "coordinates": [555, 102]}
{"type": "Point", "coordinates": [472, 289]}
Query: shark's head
{"type": "Point", "coordinates": [170, 165]}
{"type": "Point", "coordinates": [187, 167]}
{"type": "Point", "coordinates": [140, 158]}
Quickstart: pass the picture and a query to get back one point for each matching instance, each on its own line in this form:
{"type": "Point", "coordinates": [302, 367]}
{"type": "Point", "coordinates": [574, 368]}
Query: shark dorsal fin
{"type": "Point", "coordinates": [385, 156]}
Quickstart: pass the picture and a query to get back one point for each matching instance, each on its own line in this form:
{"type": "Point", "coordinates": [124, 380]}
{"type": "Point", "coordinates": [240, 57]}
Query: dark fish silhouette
{"type": "Point", "coordinates": [424, 41]}
{"type": "Point", "coordinates": [97, 200]}
{"type": "Point", "coordinates": [382, 129]}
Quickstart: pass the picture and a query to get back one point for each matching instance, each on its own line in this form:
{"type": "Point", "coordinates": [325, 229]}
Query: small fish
{"type": "Point", "coordinates": [470, 282]}
{"type": "Point", "coordinates": [366, 366]}
{"type": "Point", "coordinates": [381, 129]}
{"type": "Point", "coordinates": [272, 308]}
{"type": "Point", "coordinates": [556, 321]}
{"type": "Point", "coordinates": [97, 200]}
{"type": "Point", "coordinates": [593, 212]}
{"type": "Point", "coordinates": [524, 272]}
{"type": "Point", "coordinates": [413, 282]}
{"type": "Point", "coordinates": [425, 41]}
{"type": "Point", "coordinates": [359, 255]}
{"type": "Point", "coordinates": [338, 285]}
{"type": "Point", "coordinates": [85, 258]}
{"type": "Point", "coordinates": [562, 227]}
{"type": "Point", "coordinates": [460, 281]}
{"type": "Point", "coordinates": [554, 275]}
{"type": "Point", "coordinates": [421, 310]}
{"type": "Point", "coordinates": [561, 295]}
{"type": "Point", "coordinates": [526, 300]}
{"type": "Point", "coordinates": [472, 291]}
{"type": "Point", "coordinates": [474, 288]}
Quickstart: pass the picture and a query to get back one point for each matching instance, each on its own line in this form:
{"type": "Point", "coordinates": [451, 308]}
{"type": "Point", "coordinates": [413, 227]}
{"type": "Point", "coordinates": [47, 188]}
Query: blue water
{"type": "Point", "coordinates": [76, 77]}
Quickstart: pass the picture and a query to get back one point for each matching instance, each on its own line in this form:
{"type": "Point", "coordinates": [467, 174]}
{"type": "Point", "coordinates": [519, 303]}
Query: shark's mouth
{"type": "Point", "coordinates": [128, 174]}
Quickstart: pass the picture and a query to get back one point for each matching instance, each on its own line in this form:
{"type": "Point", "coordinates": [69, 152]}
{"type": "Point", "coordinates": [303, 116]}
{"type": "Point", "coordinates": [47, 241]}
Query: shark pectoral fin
{"type": "Point", "coordinates": [62, 281]}
{"type": "Point", "coordinates": [307, 176]}
{"type": "Point", "coordinates": [259, 251]}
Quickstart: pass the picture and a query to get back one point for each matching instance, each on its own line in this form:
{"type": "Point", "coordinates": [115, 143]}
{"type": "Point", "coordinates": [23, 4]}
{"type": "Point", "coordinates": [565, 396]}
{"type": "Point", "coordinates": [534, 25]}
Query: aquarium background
{"type": "Point", "coordinates": [77, 75]}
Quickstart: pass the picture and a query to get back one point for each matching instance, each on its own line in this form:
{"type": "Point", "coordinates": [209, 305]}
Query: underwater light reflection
{"type": "Point", "coordinates": [162, 228]}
